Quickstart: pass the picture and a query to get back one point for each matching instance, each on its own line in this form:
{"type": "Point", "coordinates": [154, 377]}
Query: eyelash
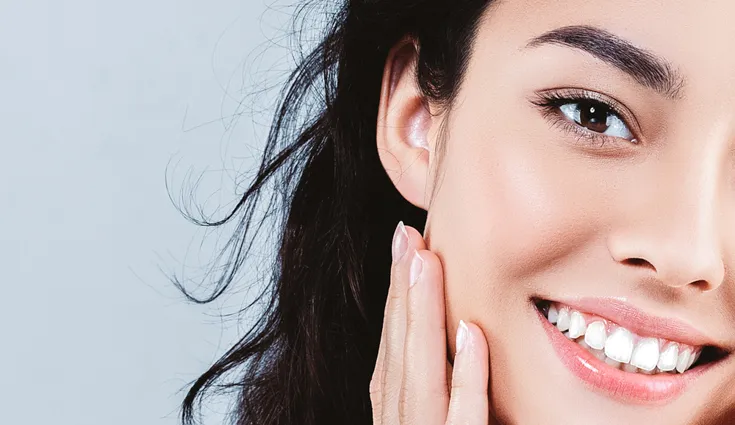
{"type": "Point", "coordinates": [550, 101]}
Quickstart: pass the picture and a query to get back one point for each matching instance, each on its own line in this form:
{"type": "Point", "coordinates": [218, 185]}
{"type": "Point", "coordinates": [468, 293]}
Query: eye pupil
{"type": "Point", "coordinates": [593, 116]}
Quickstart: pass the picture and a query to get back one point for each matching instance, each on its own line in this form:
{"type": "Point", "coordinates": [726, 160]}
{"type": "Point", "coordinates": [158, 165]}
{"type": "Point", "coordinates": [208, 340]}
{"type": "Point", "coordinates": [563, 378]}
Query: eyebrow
{"type": "Point", "coordinates": [645, 67]}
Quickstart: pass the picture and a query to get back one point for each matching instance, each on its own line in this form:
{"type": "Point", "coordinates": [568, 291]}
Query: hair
{"type": "Point", "coordinates": [310, 357]}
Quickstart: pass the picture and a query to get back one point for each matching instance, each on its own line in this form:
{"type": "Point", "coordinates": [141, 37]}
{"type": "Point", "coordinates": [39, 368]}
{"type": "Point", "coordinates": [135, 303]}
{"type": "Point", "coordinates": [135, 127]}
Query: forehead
{"type": "Point", "coordinates": [696, 37]}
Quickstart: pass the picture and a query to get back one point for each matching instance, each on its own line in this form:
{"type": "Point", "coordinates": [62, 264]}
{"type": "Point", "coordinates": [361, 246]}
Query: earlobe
{"type": "Point", "coordinates": [404, 126]}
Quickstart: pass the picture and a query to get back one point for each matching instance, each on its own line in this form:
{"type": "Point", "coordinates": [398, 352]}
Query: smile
{"type": "Point", "coordinates": [651, 361]}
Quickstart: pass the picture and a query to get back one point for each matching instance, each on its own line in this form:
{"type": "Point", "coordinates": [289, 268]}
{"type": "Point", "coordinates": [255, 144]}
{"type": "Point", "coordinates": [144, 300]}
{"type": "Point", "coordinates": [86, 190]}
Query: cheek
{"type": "Point", "coordinates": [515, 207]}
{"type": "Point", "coordinates": [510, 207]}
{"type": "Point", "coordinates": [538, 211]}
{"type": "Point", "coordinates": [516, 201]}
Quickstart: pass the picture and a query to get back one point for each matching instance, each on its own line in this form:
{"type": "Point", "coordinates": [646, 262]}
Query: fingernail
{"type": "Point", "coordinates": [462, 333]}
{"type": "Point", "coordinates": [400, 242]}
{"type": "Point", "coordinates": [417, 265]}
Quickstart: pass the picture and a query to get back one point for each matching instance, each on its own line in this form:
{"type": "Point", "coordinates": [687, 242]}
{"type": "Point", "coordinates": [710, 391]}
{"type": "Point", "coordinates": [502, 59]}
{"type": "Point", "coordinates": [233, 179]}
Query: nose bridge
{"type": "Point", "coordinates": [680, 237]}
{"type": "Point", "coordinates": [691, 250]}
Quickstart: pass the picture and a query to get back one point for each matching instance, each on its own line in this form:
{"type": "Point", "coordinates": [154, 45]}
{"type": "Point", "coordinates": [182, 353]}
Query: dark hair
{"type": "Point", "coordinates": [310, 358]}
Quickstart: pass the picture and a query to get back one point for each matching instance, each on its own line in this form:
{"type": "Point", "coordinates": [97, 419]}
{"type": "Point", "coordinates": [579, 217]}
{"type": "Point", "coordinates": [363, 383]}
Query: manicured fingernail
{"type": "Point", "coordinates": [462, 333]}
{"type": "Point", "coordinates": [400, 242]}
{"type": "Point", "coordinates": [417, 265]}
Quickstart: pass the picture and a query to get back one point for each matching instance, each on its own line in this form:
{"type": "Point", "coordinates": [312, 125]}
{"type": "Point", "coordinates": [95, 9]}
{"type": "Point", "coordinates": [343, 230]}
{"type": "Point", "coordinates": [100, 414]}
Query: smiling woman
{"type": "Point", "coordinates": [567, 167]}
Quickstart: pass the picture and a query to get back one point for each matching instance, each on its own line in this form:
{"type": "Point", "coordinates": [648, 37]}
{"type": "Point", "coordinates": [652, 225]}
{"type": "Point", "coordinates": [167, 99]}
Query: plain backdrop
{"type": "Point", "coordinates": [107, 108]}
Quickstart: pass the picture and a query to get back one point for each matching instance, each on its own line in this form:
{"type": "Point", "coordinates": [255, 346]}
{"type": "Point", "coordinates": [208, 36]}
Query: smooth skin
{"type": "Point", "coordinates": [522, 204]}
{"type": "Point", "coordinates": [411, 382]}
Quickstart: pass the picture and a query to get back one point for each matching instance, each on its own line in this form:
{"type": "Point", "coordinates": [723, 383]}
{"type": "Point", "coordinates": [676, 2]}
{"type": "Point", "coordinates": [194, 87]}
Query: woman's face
{"type": "Point", "coordinates": [634, 227]}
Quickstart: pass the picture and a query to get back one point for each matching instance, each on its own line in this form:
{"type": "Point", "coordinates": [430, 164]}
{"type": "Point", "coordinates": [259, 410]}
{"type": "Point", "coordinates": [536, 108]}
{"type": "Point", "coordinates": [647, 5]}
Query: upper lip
{"type": "Point", "coordinates": [640, 322]}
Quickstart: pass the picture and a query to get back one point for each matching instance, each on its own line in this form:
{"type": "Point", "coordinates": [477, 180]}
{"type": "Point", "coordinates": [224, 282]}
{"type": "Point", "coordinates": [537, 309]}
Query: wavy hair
{"type": "Point", "coordinates": [309, 358]}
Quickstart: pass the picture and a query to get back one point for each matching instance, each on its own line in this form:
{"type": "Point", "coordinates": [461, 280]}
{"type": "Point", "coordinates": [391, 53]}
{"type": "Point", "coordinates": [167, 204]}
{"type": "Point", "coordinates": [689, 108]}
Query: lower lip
{"type": "Point", "coordinates": [631, 388]}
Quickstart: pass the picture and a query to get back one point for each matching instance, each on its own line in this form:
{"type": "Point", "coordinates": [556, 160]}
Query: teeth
{"type": "Point", "coordinates": [622, 349]}
{"type": "Point", "coordinates": [668, 359]}
{"type": "Point", "coordinates": [691, 361]}
{"type": "Point", "coordinates": [683, 363]}
{"type": "Point", "coordinates": [596, 335]}
{"type": "Point", "coordinates": [563, 320]}
{"type": "Point", "coordinates": [645, 355]}
{"type": "Point", "coordinates": [553, 314]}
{"type": "Point", "coordinates": [577, 325]}
{"type": "Point", "coordinates": [694, 358]}
{"type": "Point", "coordinates": [619, 345]}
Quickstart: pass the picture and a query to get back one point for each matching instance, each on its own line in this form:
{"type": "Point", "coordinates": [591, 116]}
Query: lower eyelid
{"type": "Point", "coordinates": [575, 129]}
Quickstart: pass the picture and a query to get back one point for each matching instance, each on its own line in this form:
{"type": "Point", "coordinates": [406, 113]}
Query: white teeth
{"type": "Point", "coordinates": [694, 358]}
{"type": "Point", "coordinates": [645, 356]}
{"type": "Point", "coordinates": [619, 345]}
{"type": "Point", "coordinates": [563, 320]}
{"type": "Point", "coordinates": [668, 359]}
{"type": "Point", "coordinates": [683, 362]}
{"type": "Point", "coordinates": [553, 314]}
{"type": "Point", "coordinates": [619, 348]}
{"type": "Point", "coordinates": [691, 361]}
{"type": "Point", "coordinates": [596, 335]}
{"type": "Point", "coordinates": [577, 325]}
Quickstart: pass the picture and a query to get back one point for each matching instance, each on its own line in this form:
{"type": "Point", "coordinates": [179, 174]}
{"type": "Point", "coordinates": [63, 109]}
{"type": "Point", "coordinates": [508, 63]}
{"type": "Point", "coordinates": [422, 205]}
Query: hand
{"type": "Point", "coordinates": [409, 383]}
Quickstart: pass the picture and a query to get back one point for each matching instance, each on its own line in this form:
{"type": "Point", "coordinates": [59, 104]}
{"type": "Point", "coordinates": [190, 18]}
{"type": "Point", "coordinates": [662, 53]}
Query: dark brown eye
{"type": "Point", "coordinates": [593, 116]}
{"type": "Point", "coordinates": [597, 117]}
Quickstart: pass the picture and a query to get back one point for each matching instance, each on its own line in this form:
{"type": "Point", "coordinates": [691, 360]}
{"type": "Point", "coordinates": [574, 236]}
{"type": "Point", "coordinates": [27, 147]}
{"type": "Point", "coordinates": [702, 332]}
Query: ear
{"type": "Point", "coordinates": [405, 126]}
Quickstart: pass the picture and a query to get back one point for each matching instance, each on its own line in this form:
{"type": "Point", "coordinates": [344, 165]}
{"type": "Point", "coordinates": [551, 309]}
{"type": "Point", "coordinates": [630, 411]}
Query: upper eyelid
{"type": "Point", "coordinates": [617, 106]}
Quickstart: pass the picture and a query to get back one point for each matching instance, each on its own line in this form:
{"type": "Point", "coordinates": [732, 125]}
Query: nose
{"type": "Point", "coordinates": [676, 237]}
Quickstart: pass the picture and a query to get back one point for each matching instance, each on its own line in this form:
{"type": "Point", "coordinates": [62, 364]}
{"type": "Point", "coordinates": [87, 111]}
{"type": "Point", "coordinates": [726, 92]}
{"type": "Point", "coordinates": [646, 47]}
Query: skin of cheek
{"type": "Point", "coordinates": [512, 209]}
{"type": "Point", "coordinates": [506, 210]}
{"type": "Point", "coordinates": [520, 210]}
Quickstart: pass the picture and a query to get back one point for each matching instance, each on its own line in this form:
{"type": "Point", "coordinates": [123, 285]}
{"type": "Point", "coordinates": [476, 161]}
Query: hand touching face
{"type": "Point", "coordinates": [411, 383]}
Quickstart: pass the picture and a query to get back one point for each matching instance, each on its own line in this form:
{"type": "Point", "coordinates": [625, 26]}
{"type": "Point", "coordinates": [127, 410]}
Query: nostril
{"type": "Point", "coordinates": [702, 285]}
{"type": "Point", "coordinates": [639, 262]}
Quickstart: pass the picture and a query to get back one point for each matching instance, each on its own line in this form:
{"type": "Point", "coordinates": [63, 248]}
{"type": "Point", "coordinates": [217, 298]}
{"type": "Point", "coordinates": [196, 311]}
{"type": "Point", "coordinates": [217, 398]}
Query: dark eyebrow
{"type": "Point", "coordinates": [646, 68]}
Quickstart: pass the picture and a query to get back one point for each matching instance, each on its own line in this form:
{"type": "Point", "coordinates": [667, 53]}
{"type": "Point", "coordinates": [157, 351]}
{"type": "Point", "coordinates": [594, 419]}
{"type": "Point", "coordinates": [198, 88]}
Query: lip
{"type": "Point", "coordinates": [639, 322]}
{"type": "Point", "coordinates": [626, 387]}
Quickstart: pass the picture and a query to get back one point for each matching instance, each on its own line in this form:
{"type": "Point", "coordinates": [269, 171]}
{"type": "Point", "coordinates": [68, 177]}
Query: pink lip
{"type": "Point", "coordinates": [633, 388]}
{"type": "Point", "coordinates": [638, 321]}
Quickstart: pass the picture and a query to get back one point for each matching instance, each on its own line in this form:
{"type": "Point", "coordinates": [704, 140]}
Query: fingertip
{"type": "Point", "coordinates": [470, 385]}
{"type": "Point", "coordinates": [471, 353]}
{"type": "Point", "coordinates": [431, 266]}
{"type": "Point", "coordinates": [479, 342]}
{"type": "Point", "coordinates": [415, 238]}
{"type": "Point", "coordinates": [462, 335]}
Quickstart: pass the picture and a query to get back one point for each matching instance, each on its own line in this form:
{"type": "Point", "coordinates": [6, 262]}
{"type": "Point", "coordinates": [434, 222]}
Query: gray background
{"type": "Point", "coordinates": [101, 104]}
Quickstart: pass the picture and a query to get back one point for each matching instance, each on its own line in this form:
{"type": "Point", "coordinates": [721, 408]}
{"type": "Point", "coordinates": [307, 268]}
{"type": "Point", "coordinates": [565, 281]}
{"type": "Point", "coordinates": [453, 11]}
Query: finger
{"type": "Point", "coordinates": [468, 403]}
{"type": "Point", "coordinates": [394, 321]}
{"type": "Point", "coordinates": [424, 396]}
{"type": "Point", "coordinates": [376, 382]}
{"type": "Point", "coordinates": [399, 246]}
